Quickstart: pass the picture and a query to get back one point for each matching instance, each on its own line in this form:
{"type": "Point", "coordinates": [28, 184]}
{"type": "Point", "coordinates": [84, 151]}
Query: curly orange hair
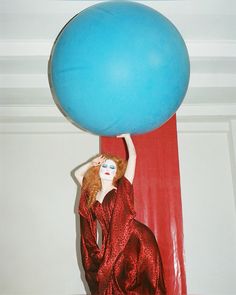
{"type": "Point", "coordinates": [92, 182]}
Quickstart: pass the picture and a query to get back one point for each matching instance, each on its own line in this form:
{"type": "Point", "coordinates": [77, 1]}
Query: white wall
{"type": "Point", "coordinates": [207, 170]}
{"type": "Point", "coordinates": [38, 227]}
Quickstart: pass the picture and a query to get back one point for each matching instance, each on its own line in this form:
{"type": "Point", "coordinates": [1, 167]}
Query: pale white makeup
{"type": "Point", "coordinates": [108, 170]}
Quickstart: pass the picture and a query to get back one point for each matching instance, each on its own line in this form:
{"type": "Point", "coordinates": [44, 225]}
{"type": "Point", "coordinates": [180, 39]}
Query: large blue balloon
{"type": "Point", "coordinates": [119, 67]}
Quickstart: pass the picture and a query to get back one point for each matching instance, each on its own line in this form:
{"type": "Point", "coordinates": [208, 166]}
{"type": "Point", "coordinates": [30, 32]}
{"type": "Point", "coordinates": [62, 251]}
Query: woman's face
{"type": "Point", "coordinates": [108, 170]}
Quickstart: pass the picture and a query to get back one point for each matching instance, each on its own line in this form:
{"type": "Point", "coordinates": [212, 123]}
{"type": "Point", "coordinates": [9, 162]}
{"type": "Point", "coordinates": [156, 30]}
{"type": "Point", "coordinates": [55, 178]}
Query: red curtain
{"type": "Point", "coordinates": [158, 195]}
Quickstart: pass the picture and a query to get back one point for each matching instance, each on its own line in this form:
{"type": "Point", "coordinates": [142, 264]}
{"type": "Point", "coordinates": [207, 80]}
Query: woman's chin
{"type": "Point", "coordinates": [107, 177]}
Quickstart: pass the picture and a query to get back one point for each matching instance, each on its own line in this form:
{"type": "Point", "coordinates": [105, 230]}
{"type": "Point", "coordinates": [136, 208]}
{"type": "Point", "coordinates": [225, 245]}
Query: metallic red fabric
{"type": "Point", "coordinates": [128, 261]}
{"type": "Point", "coordinates": [158, 196]}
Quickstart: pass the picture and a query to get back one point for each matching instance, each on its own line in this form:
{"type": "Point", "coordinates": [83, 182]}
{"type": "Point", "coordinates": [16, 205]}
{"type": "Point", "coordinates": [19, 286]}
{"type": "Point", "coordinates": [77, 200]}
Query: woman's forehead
{"type": "Point", "coordinates": [110, 162]}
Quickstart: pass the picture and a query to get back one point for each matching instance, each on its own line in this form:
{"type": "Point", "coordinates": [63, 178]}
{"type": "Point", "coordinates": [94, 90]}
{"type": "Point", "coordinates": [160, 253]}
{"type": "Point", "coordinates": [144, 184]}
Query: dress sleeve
{"type": "Point", "coordinates": [89, 248]}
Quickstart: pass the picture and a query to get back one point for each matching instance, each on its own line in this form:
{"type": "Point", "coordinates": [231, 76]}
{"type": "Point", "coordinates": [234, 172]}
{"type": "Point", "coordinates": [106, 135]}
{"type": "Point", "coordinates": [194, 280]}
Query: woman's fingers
{"type": "Point", "coordinates": [98, 160]}
{"type": "Point", "coordinates": [103, 159]}
{"type": "Point", "coordinates": [123, 135]}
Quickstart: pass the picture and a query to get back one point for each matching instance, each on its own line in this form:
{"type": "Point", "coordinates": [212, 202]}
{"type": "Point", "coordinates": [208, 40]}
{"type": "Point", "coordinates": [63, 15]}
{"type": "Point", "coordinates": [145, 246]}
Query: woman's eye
{"type": "Point", "coordinates": [112, 167]}
{"type": "Point", "coordinates": [104, 165]}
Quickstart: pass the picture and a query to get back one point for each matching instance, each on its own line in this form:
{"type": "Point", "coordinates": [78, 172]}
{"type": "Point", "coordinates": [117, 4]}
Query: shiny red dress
{"type": "Point", "coordinates": [128, 261]}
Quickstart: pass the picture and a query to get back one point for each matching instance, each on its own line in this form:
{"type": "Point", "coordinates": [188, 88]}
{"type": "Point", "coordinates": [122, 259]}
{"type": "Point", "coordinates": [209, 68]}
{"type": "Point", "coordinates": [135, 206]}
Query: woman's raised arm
{"type": "Point", "coordinates": [130, 170]}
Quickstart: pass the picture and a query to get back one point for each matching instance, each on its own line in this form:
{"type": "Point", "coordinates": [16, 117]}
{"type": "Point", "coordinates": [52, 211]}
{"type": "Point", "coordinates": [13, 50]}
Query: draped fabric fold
{"type": "Point", "coordinates": [121, 227]}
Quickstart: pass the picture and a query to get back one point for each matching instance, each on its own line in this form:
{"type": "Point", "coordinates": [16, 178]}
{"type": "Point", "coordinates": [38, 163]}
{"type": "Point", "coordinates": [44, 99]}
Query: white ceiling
{"type": "Point", "coordinates": [29, 28]}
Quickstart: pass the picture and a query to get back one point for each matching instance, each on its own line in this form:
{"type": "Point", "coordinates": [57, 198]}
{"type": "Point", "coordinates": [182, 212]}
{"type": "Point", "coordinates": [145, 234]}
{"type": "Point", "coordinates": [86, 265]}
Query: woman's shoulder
{"type": "Point", "coordinates": [126, 194]}
{"type": "Point", "coordinates": [125, 183]}
{"type": "Point", "coordinates": [125, 180]}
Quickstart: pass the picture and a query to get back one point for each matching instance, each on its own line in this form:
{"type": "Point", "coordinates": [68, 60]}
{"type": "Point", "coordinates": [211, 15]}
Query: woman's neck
{"type": "Point", "coordinates": [106, 185]}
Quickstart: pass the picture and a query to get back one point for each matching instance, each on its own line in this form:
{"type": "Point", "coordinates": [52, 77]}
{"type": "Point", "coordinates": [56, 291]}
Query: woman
{"type": "Point", "coordinates": [128, 261]}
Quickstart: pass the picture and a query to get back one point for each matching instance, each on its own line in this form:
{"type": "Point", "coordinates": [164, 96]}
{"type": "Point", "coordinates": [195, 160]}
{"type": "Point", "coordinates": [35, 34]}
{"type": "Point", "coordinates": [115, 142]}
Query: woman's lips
{"type": "Point", "coordinates": [107, 173]}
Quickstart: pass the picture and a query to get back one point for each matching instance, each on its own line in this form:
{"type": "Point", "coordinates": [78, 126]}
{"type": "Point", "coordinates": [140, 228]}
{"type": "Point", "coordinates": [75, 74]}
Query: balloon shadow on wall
{"type": "Point", "coordinates": [77, 229]}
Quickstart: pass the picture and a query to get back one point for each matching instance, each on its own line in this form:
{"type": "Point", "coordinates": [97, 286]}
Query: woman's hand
{"type": "Point", "coordinates": [81, 170]}
{"type": "Point", "coordinates": [98, 160]}
{"type": "Point", "coordinates": [125, 135]}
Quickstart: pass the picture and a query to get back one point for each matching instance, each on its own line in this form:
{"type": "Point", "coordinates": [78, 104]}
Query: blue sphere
{"type": "Point", "coordinates": [119, 67]}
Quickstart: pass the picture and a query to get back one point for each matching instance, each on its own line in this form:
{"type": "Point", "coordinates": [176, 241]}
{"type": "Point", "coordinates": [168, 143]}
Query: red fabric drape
{"type": "Point", "coordinates": [158, 195]}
